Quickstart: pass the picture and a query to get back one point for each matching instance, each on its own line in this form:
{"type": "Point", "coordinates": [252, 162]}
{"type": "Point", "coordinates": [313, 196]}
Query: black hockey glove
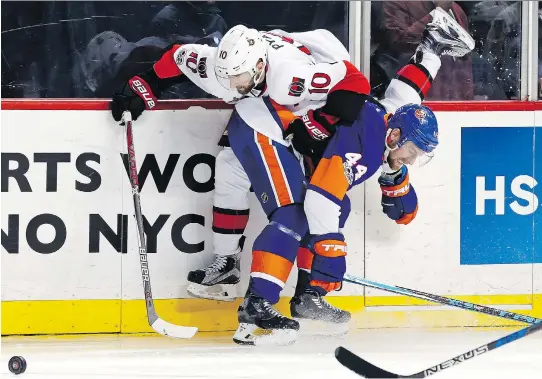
{"type": "Point", "coordinates": [135, 96]}
{"type": "Point", "coordinates": [310, 133]}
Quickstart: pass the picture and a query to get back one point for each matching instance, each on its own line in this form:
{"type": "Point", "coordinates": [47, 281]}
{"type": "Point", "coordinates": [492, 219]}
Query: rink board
{"type": "Point", "coordinates": [69, 249]}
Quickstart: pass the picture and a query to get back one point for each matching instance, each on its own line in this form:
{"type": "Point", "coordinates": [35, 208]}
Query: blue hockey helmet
{"type": "Point", "coordinates": [418, 126]}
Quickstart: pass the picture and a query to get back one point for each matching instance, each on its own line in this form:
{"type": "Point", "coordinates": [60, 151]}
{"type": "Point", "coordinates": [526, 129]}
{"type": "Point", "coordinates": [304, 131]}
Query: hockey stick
{"type": "Point", "coordinates": [367, 370]}
{"type": "Point", "coordinates": [160, 326]}
{"type": "Point", "coordinates": [443, 300]}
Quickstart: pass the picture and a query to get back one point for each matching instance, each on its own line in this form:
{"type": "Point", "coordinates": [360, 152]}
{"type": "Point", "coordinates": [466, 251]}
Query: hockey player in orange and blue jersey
{"type": "Point", "coordinates": [353, 155]}
{"type": "Point", "coordinates": [391, 134]}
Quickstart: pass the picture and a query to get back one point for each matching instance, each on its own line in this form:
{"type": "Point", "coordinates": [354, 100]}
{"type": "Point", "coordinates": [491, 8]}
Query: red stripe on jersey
{"type": "Point", "coordinates": [166, 67]}
{"type": "Point", "coordinates": [353, 81]}
{"type": "Point", "coordinates": [417, 78]}
{"type": "Point", "coordinates": [304, 49]}
{"type": "Point", "coordinates": [229, 221]}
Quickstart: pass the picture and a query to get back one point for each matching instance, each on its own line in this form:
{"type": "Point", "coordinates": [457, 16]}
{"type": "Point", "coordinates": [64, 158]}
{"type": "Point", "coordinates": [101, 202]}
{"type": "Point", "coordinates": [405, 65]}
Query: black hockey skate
{"type": "Point", "coordinates": [444, 36]}
{"type": "Point", "coordinates": [216, 281]}
{"type": "Point", "coordinates": [256, 312]}
{"type": "Point", "coordinates": [317, 316]}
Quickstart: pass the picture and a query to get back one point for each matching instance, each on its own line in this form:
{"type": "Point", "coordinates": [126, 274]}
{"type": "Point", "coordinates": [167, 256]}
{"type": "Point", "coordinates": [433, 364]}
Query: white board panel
{"type": "Point", "coordinates": [423, 255]}
{"type": "Point", "coordinates": [426, 253]}
{"type": "Point", "coordinates": [192, 135]}
{"type": "Point", "coordinates": [69, 269]}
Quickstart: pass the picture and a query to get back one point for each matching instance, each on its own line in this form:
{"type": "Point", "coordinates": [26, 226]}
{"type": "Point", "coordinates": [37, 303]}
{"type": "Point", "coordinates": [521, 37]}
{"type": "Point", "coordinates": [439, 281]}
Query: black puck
{"type": "Point", "coordinates": [17, 365]}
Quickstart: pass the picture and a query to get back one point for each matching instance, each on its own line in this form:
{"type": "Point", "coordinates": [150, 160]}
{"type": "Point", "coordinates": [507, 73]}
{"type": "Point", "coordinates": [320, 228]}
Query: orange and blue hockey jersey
{"type": "Point", "coordinates": [352, 156]}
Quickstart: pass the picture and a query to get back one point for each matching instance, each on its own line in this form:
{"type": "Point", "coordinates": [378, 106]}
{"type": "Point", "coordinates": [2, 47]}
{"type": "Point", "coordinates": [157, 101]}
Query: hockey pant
{"type": "Point", "coordinates": [231, 212]}
{"type": "Point", "coordinates": [231, 207]}
{"type": "Point", "coordinates": [279, 184]}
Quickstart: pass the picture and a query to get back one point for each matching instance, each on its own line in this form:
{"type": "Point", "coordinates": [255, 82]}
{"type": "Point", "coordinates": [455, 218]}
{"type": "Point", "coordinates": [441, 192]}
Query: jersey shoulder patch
{"type": "Point", "coordinates": [286, 85]}
{"type": "Point", "coordinates": [194, 59]}
{"type": "Point", "coordinates": [296, 87]}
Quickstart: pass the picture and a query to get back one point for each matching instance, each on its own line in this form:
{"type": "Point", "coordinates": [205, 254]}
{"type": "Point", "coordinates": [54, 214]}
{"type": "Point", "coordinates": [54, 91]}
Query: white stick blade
{"type": "Point", "coordinates": [176, 331]}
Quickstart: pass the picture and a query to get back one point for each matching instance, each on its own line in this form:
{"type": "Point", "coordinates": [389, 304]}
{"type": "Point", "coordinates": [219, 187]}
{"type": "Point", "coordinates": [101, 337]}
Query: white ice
{"type": "Point", "coordinates": [210, 356]}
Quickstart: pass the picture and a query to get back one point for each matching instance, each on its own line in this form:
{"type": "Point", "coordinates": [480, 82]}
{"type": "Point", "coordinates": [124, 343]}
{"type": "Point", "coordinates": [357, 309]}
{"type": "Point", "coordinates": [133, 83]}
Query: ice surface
{"type": "Point", "coordinates": [212, 355]}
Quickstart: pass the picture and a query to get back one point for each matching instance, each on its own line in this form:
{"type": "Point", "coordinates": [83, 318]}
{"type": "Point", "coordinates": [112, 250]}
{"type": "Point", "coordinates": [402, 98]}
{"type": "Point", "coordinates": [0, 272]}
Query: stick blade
{"type": "Point", "coordinates": [176, 331]}
{"type": "Point", "coordinates": [360, 366]}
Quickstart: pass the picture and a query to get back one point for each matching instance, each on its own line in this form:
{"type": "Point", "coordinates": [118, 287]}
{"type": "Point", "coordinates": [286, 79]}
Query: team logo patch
{"type": "Point", "coordinates": [420, 114]}
{"type": "Point", "coordinates": [180, 57]}
{"type": "Point", "coordinates": [296, 87]}
{"type": "Point", "coordinates": [192, 62]}
{"type": "Point", "coordinates": [202, 67]}
{"type": "Point", "coordinates": [348, 173]}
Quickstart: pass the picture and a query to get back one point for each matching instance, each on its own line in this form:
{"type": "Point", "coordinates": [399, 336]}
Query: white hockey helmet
{"type": "Point", "coordinates": [237, 58]}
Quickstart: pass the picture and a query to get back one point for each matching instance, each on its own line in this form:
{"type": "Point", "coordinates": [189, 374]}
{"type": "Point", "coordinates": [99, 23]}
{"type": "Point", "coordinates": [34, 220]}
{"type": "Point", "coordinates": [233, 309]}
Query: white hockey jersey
{"type": "Point", "coordinates": [302, 68]}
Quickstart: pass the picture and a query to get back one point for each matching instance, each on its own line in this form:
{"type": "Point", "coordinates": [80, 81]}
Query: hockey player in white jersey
{"type": "Point", "coordinates": [218, 281]}
{"type": "Point", "coordinates": [277, 80]}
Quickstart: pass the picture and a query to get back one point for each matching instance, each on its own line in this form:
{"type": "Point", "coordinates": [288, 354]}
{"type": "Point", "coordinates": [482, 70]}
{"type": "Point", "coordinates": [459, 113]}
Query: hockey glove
{"type": "Point", "coordinates": [135, 96]}
{"type": "Point", "coordinates": [399, 200]}
{"type": "Point", "coordinates": [310, 133]}
{"type": "Point", "coordinates": [329, 262]}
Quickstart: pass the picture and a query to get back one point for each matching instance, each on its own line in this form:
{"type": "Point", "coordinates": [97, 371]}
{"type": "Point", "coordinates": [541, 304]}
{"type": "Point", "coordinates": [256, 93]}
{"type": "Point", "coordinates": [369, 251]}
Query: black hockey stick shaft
{"type": "Point", "coordinates": [367, 370]}
{"type": "Point", "coordinates": [142, 246]}
{"type": "Point", "coordinates": [443, 300]}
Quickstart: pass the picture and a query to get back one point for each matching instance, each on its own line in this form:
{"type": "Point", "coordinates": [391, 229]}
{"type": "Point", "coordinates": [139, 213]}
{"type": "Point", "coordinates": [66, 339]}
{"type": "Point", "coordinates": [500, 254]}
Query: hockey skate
{"type": "Point", "coordinates": [317, 317]}
{"type": "Point", "coordinates": [261, 324]}
{"type": "Point", "coordinates": [218, 280]}
{"type": "Point", "coordinates": [444, 36]}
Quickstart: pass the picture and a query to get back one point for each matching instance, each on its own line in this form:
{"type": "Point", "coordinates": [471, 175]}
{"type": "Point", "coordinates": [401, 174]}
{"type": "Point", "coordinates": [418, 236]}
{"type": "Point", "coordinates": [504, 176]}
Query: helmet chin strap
{"type": "Point", "coordinates": [258, 79]}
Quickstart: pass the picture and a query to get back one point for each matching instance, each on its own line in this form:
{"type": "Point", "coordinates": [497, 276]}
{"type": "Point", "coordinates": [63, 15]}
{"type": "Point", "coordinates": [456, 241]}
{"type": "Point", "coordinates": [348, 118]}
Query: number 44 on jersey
{"type": "Point", "coordinates": [351, 163]}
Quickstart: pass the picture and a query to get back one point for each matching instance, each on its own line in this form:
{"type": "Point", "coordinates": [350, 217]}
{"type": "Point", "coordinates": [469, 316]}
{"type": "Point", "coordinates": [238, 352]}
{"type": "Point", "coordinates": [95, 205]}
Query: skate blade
{"type": "Point", "coordinates": [322, 330]}
{"type": "Point", "coordinates": [220, 292]}
{"type": "Point", "coordinates": [249, 334]}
